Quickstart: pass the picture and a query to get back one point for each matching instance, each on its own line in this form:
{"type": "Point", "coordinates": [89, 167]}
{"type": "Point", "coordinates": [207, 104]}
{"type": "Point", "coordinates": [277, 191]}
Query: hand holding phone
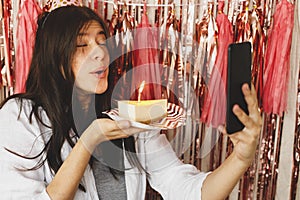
{"type": "Point", "coordinates": [239, 72]}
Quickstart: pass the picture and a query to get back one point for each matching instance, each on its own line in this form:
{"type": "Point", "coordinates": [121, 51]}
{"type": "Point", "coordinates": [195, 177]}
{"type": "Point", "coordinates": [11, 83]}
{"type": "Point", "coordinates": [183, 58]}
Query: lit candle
{"type": "Point", "coordinates": [141, 90]}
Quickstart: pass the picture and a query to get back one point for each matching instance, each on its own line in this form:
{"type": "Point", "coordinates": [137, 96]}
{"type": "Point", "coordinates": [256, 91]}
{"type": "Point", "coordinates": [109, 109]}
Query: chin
{"type": "Point", "coordinates": [101, 88]}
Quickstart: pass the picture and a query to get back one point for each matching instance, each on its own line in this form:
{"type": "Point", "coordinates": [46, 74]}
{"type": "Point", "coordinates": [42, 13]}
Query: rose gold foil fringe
{"type": "Point", "coordinates": [260, 181]}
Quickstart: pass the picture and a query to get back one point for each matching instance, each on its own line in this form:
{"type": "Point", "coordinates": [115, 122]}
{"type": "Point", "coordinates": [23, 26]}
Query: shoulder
{"type": "Point", "coordinates": [16, 126]}
{"type": "Point", "coordinates": [14, 105]}
{"type": "Point", "coordinates": [16, 109]}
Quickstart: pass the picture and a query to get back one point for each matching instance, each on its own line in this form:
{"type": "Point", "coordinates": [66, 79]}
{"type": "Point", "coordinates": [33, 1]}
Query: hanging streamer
{"type": "Point", "coordinates": [277, 59]}
{"type": "Point", "coordinates": [7, 45]}
{"type": "Point", "coordinates": [146, 64]}
{"type": "Point", "coordinates": [170, 56]}
{"type": "Point", "coordinates": [27, 25]}
{"type": "Point", "coordinates": [260, 181]}
{"type": "Point", "coordinates": [214, 110]}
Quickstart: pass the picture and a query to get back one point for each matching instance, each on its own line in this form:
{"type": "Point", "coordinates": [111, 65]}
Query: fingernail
{"type": "Point", "coordinates": [221, 128]}
{"type": "Point", "coordinates": [123, 124]}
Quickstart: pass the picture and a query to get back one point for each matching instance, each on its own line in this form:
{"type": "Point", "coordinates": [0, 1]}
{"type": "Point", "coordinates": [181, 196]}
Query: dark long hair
{"type": "Point", "coordinates": [50, 80]}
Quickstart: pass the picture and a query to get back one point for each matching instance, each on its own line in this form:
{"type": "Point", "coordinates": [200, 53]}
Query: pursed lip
{"type": "Point", "coordinates": [99, 70]}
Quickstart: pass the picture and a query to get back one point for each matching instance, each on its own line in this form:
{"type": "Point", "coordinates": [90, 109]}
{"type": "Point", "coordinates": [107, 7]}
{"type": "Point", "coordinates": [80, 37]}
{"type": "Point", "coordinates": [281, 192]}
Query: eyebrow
{"type": "Point", "coordinates": [99, 33]}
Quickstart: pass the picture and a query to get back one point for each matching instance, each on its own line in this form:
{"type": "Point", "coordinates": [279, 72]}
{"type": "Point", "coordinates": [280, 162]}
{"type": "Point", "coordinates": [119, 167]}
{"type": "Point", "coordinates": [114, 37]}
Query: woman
{"type": "Point", "coordinates": [46, 147]}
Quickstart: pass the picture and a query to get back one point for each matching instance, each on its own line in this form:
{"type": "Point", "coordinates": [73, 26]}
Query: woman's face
{"type": "Point", "coordinates": [91, 60]}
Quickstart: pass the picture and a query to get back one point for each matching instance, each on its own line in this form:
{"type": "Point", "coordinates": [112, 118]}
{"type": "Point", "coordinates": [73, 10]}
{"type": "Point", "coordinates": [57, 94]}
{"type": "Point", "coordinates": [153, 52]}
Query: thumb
{"type": "Point", "coordinates": [123, 124]}
{"type": "Point", "coordinates": [222, 129]}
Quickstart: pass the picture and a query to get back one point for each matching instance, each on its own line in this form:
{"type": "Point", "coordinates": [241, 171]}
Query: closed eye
{"type": "Point", "coordinates": [102, 44]}
{"type": "Point", "coordinates": [81, 45]}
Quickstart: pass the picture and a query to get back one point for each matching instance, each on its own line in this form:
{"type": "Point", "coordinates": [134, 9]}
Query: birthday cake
{"type": "Point", "coordinates": [145, 111]}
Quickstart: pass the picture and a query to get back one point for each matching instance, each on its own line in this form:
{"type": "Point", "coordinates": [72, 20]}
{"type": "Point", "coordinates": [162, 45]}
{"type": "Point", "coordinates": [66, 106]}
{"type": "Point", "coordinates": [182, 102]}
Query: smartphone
{"type": "Point", "coordinates": [238, 73]}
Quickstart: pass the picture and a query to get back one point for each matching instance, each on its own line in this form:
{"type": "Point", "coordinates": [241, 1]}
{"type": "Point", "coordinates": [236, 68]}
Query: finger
{"type": "Point", "coordinates": [242, 116]}
{"type": "Point", "coordinates": [123, 124]}
{"type": "Point", "coordinates": [132, 130]}
{"type": "Point", "coordinates": [115, 135]}
{"type": "Point", "coordinates": [252, 103]}
{"type": "Point", "coordinates": [251, 99]}
{"type": "Point", "coordinates": [238, 137]}
{"type": "Point", "coordinates": [222, 129]}
{"type": "Point", "coordinates": [248, 122]}
{"type": "Point", "coordinates": [124, 133]}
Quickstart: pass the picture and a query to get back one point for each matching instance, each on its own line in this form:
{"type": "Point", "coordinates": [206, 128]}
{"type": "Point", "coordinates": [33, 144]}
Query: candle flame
{"type": "Point", "coordinates": [141, 90]}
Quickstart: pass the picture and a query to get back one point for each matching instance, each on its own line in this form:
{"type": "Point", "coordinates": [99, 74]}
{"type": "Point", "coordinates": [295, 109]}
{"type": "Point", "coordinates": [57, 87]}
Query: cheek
{"type": "Point", "coordinates": [79, 74]}
{"type": "Point", "coordinates": [76, 65]}
{"type": "Point", "coordinates": [79, 67]}
{"type": "Point", "coordinates": [102, 84]}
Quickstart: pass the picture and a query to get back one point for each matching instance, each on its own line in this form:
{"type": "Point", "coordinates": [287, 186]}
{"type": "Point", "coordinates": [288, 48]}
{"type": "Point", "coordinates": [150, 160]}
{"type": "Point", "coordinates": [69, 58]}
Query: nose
{"type": "Point", "coordinates": [99, 53]}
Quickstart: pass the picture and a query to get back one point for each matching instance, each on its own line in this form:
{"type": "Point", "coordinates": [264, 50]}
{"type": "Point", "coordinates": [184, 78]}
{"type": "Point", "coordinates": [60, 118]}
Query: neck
{"type": "Point", "coordinates": [84, 99]}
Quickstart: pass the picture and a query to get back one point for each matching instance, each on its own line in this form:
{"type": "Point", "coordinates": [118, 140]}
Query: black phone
{"type": "Point", "coordinates": [238, 73]}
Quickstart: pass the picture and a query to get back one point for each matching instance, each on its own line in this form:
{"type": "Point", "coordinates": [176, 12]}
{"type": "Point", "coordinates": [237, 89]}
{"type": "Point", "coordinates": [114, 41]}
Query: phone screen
{"type": "Point", "coordinates": [239, 72]}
